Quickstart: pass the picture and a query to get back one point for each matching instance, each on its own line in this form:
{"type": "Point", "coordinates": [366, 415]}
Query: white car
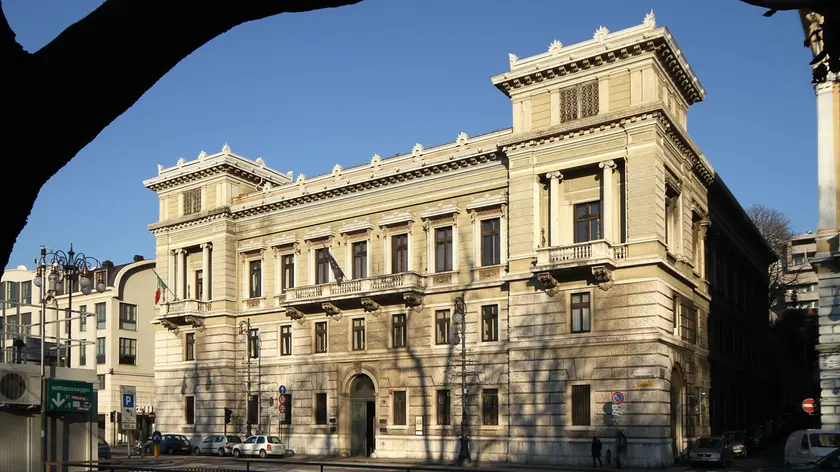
{"type": "Point", "coordinates": [259, 445]}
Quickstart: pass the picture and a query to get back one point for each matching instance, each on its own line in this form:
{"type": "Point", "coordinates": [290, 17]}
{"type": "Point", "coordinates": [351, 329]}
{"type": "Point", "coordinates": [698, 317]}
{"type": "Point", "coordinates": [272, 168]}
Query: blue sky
{"type": "Point", "coordinates": [311, 90]}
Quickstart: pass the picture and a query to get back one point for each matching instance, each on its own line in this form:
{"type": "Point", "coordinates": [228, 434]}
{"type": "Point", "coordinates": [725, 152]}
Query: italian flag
{"type": "Point", "coordinates": [160, 288]}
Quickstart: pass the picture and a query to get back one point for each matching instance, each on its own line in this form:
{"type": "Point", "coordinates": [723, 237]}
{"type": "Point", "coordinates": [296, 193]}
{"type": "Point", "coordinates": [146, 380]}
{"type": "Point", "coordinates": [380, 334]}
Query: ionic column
{"type": "Point", "coordinates": [205, 270]}
{"type": "Point", "coordinates": [608, 187]}
{"type": "Point", "coordinates": [182, 274]}
{"type": "Point", "coordinates": [555, 192]}
{"type": "Point", "coordinates": [825, 157]}
{"type": "Point", "coordinates": [170, 280]}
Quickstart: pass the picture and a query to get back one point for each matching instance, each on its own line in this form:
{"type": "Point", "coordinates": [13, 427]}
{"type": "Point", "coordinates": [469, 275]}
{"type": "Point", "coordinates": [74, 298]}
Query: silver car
{"type": "Point", "coordinates": [218, 444]}
{"type": "Point", "coordinates": [262, 446]}
{"type": "Point", "coordinates": [710, 450]}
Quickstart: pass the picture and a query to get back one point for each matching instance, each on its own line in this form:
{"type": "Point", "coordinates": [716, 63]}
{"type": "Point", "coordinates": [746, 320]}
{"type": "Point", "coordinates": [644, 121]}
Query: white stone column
{"type": "Point", "coordinates": [555, 194]}
{"type": "Point", "coordinates": [607, 203]}
{"type": "Point", "coordinates": [170, 278]}
{"type": "Point", "coordinates": [825, 157]}
{"type": "Point", "coordinates": [182, 274]}
{"type": "Point", "coordinates": [205, 270]}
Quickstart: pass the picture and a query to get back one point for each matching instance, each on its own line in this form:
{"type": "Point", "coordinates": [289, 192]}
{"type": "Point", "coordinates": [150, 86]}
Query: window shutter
{"type": "Point", "coordinates": [589, 99]}
{"type": "Point", "coordinates": [568, 104]}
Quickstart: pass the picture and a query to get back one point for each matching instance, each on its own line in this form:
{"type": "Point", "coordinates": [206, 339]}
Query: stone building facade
{"type": "Point", "coordinates": [577, 239]}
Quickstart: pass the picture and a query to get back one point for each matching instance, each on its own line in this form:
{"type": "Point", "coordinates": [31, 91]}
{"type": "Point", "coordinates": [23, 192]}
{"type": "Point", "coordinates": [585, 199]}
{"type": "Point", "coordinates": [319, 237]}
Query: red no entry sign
{"type": "Point", "coordinates": [808, 405]}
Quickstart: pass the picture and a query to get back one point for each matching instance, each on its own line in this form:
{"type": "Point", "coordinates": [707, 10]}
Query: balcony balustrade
{"type": "Point", "coordinates": [580, 254]}
{"type": "Point", "coordinates": [179, 313]}
{"type": "Point", "coordinates": [386, 288]}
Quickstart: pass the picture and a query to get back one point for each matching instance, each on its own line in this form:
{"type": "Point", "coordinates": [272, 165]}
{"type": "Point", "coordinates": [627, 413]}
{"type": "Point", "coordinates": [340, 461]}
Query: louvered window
{"type": "Point", "coordinates": [192, 201]}
{"type": "Point", "coordinates": [579, 101]}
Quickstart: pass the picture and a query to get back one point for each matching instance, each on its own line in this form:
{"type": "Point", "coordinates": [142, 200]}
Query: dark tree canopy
{"type": "Point", "coordinates": [59, 98]}
{"type": "Point", "coordinates": [774, 227]}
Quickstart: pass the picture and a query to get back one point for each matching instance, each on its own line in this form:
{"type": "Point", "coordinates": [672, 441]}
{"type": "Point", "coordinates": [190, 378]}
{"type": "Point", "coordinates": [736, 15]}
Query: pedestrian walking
{"type": "Point", "coordinates": [596, 451]}
{"type": "Point", "coordinates": [620, 449]}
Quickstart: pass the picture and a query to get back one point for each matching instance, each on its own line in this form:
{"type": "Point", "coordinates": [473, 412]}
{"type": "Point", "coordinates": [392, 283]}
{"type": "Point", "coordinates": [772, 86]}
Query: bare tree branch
{"type": "Point", "coordinates": [775, 228]}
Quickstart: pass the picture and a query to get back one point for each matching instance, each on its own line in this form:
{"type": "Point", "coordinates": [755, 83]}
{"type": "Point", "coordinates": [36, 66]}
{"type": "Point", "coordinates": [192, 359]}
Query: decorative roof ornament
{"type": "Point", "coordinates": [160, 169]}
{"type": "Point", "coordinates": [601, 34]}
{"type": "Point", "coordinates": [461, 139]}
{"type": "Point", "coordinates": [260, 162]}
{"type": "Point", "coordinates": [650, 20]}
{"type": "Point", "coordinates": [290, 174]}
{"type": "Point", "coordinates": [555, 47]}
{"type": "Point", "coordinates": [301, 179]}
{"type": "Point", "coordinates": [336, 171]}
{"type": "Point", "coordinates": [512, 58]}
{"type": "Point", "coordinates": [417, 150]}
{"type": "Point", "coordinates": [202, 155]}
{"type": "Point", "coordinates": [266, 187]}
{"type": "Point", "coordinates": [181, 162]}
{"type": "Point", "coordinates": [376, 161]}
{"type": "Point", "coordinates": [226, 149]}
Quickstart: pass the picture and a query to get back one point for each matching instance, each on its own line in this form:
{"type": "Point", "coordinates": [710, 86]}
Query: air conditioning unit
{"type": "Point", "coordinates": [20, 384]}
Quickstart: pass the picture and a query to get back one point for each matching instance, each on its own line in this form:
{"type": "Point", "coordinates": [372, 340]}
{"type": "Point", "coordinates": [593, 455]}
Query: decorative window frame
{"type": "Point", "coordinates": [500, 409]}
{"type": "Point", "coordinates": [430, 227]}
{"type": "Point", "coordinates": [280, 326]}
{"type": "Point", "coordinates": [433, 309]}
{"type": "Point", "coordinates": [349, 240]}
{"type": "Point", "coordinates": [479, 338]}
{"type": "Point", "coordinates": [488, 213]}
{"type": "Point", "coordinates": [434, 422]}
{"type": "Point", "coordinates": [387, 234]}
{"type": "Point", "coordinates": [568, 295]}
{"type": "Point", "coordinates": [283, 248]}
{"type": "Point", "coordinates": [313, 262]}
{"type": "Point", "coordinates": [392, 409]}
{"type": "Point", "coordinates": [313, 336]}
{"type": "Point", "coordinates": [362, 316]}
{"type": "Point", "coordinates": [245, 260]}
{"type": "Point", "coordinates": [593, 415]}
{"type": "Point", "coordinates": [390, 321]}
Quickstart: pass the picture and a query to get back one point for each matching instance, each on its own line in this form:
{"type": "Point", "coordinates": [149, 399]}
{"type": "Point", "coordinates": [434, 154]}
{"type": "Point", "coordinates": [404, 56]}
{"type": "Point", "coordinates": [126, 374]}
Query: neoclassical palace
{"type": "Point", "coordinates": [587, 241]}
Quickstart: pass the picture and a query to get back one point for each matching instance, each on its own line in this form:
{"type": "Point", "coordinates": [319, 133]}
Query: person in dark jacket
{"type": "Point", "coordinates": [596, 451]}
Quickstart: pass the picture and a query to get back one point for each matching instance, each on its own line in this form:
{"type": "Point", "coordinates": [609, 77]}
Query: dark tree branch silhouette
{"type": "Point", "coordinates": [775, 228]}
{"type": "Point", "coordinates": [58, 99]}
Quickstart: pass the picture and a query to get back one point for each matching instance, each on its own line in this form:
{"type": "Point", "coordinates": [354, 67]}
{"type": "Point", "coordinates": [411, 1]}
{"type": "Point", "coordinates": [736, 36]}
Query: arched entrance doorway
{"type": "Point", "coordinates": [677, 387]}
{"type": "Point", "coordinates": [362, 416]}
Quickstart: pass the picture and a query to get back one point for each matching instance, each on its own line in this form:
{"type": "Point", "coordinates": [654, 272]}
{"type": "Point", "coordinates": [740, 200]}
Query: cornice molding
{"type": "Point", "coordinates": [227, 164]}
{"type": "Point", "coordinates": [441, 209]}
{"type": "Point", "coordinates": [188, 221]}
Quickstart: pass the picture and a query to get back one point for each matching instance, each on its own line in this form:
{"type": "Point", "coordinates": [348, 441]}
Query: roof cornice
{"type": "Point", "coordinates": [205, 166]}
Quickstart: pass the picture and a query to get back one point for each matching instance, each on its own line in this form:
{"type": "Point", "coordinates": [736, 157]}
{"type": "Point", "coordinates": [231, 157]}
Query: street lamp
{"type": "Point", "coordinates": [58, 265]}
{"type": "Point", "coordinates": [459, 322]}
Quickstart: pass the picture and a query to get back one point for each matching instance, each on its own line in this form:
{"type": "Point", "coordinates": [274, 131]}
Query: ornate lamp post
{"type": "Point", "coordinates": [459, 322]}
{"type": "Point", "coordinates": [59, 266]}
{"type": "Point", "coordinates": [245, 333]}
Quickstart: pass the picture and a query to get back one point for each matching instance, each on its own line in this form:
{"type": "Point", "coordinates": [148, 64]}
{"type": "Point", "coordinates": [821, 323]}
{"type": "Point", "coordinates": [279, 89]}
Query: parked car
{"type": "Point", "coordinates": [757, 437]}
{"type": "Point", "coordinates": [738, 440]}
{"type": "Point", "coordinates": [262, 446]}
{"type": "Point", "coordinates": [170, 444]}
{"type": "Point", "coordinates": [806, 446]}
{"type": "Point", "coordinates": [104, 449]}
{"type": "Point", "coordinates": [710, 450]}
{"type": "Point", "coordinates": [217, 444]}
{"type": "Point", "coordinates": [831, 461]}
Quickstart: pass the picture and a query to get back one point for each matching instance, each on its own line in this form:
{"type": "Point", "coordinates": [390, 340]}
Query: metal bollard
{"type": "Point", "coordinates": [157, 450]}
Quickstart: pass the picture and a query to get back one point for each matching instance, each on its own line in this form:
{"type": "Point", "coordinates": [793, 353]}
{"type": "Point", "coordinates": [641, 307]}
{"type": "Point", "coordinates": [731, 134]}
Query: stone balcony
{"type": "Point", "coordinates": [178, 313]}
{"type": "Point", "coordinates": [600, 257]}
{"type": "Point", "coordinates": [368, 293]}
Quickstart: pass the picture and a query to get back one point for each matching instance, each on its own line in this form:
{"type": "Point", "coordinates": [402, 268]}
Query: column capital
{"type": "Point", "coordinates": [206, 245]}
{"type": "Point", "coordinates": [610, 164]}
{"type": "Point", "coordinates": [554, 175]}
{"type": "Point", "coordinates": [179, 251]}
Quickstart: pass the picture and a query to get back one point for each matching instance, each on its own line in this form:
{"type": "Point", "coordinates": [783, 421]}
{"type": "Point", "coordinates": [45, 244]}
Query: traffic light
{"type": "Point", "coordinates": [228, 414]}
{"type": "Point", "coordinates": [113, 417]}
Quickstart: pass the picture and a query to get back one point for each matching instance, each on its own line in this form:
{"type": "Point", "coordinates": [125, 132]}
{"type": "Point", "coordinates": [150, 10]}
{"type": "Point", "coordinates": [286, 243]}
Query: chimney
{"type": "Point", "coordinates": [138, 258]}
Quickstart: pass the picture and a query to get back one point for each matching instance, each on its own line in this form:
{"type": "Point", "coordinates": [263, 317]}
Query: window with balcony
{"type": "Point", "coordinates": [581, 404]}
{"type": "Point", "coordinates": [398, 330]}
{"type": "Point", "coordinates": [189, 409]}
{"type": "Point", "coordinates": [442, 327]}
{"type": "Point", "coordinates": [490, 407]}
{"type": "Point", "coordinates": [99, 308]}
{"type": "Point", "coordinates": [443, 249]}
{"type": "Point", "coordinates": [83, 355]}
{"type": "Point", "coordinates": [128, 351]}
{"type": "Point", "coordinates": [443, 401]}
{"type": "Point", "coordinates": [287, 263]}
{"type": "Point", "coordinates": [587, 221]}
{"type": "Point", "coordinates": [322, 266]}
{"type": "Point", "coordinates": [128, 316]}
{"type": "Point", "coordinates": [320, 408]}
{"type": "Point", "coordinates": [254, 343]}
{"type": "Point", "coordinates": [581, 313]}
{"type": "Point", "coordinates": [189, 347]}
{"type": "Point", "coordinates": [199, 285]}
{"type": "Point", "coordinates": [192, 201]}
{"type": "Point", "coordinates": [286, 340]}
{"type": "Point", "coordinates": [255, 278]}
{"type": "Point", "coordinates": [491, 242]}
{"type": "Point", "coordinates": [360, 257]}
{"type": "Point", "coordinates": [320, 337]}
{"type": "Point", "coordinates": [358, 334]}
{"type": "Point", "coordinates": [400, 407]}
{"type": "Point", "coordinates": [399, 253]}
{"type": "Point", "coordinates": [83, 319]}
{"type": "Point", "coordinates": [100, 350]}
{"type": "Point", "coordinates": [490, 323]}
{"type": "Point", "coordinates": [579, 101]}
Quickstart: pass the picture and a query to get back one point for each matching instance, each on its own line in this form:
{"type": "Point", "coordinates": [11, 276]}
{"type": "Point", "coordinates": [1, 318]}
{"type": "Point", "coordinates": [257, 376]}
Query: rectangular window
{"type": "Point", "coordinates": [253, 409]}
{"type": "Point", "coordinates": [798, 259]}
{"type": "Point", "coordinates": [581, 402]}
{"type": "Point", "coordinates": [83, 354]}
{"type": "Point", "coordinates": [288, 405]}
{"type": "Point", "coordinates": [398, 330]}
{"type": "Point", "coordinates": [12, 325]}
{"type": "Point", "coordinates": [322, 266]}
{"type": "Point", "coordinates": [189, 347]}
{"type": "Point", "coordinates": [443, 401]}
{"type": "Point", "coordinates": [99, 308]}
{"type": "Point", "coordinates": [320, 408]}
{"type": "Point", "coordinates": [490, 323]}
{"type": "Point", "coordinates": [255, 278]}
{"type": "Point", "coordinates": [579, 101]}
{"type": "Point", "coordinates": [587, 222]}
{"type": "Point", "coordinates": [189, 409]}
{"type": "Point", "coordinates": [100, 380]}
{"type": "Point", "coordinates": [192, 201]}
{"type": "Point", "coordinates": [100, 350]}
{"type": "Point", "coordinates": [26, 323]}
{"type": "Point", "coordinates": [13, 293]}
{"type": "Point", "coordinates": [288, 267]}
{"type": "Point", "coordinates": [490, 406]}
{"type": "Point", "coordinates": [320, 337]}
{"type": "Point", "coordinates": [491, 243]}
{"type": "Point", "coordinates": [128, 316]}
{"type": "Point", "coordinates": [3, 297]}
{"type": "Point", "coordinates": [83, 319]}
{"type": "Point", "coordinates": [128, 351]}
{"type": "Point", "coordinates": [358, 334]}
{"type": "Point", "coordinates": [360, 260]}
{"type": "Point", "coordinates": [400, 407]}
{"type": "Point", "coordinates": [581, 313]}
{"type": "Point", "coordinates": [68, 324]}
{"type": "Point", "coordinates": [443, 249]}
{"type": "Point", "coordinates": [254, 343]}
{"type": "Point", "coordinates": [442, 327]}
{"type": "Point", "coordinates": [199, 285]}
{"type": "Point", "coordinates": [399, 253]}
{"type": "Point", "coordinates": [286, 340]}
{"type": "Point", "coordinates": [26, 292]}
